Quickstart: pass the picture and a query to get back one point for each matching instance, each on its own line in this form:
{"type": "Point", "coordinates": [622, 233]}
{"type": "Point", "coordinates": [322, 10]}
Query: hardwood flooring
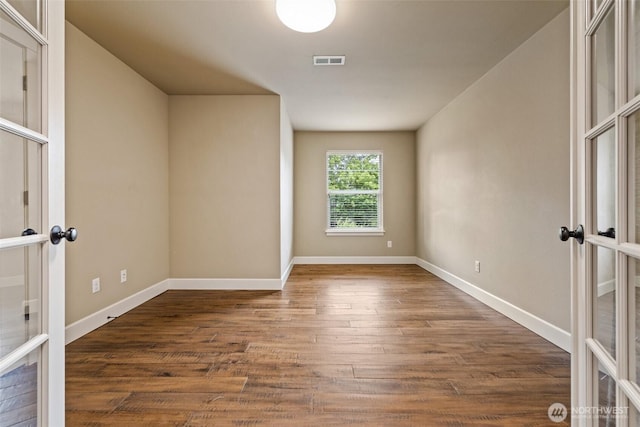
{"type": "Point", "coordinates": [340, 345]}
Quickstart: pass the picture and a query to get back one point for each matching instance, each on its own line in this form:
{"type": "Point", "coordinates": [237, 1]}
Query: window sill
{"type": "Point", "coordinates": [360, 233]}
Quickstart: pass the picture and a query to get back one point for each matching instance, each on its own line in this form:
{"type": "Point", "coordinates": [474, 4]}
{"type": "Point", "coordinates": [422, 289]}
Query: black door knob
{"type": "Point", "coordinates": [29, 232]}
{"type": "Point", "coordinates": [577, 234]}
{"type": "Point", "coordinates": [58, 234]}
{"type": "Point", "coordinates": [609, 232]}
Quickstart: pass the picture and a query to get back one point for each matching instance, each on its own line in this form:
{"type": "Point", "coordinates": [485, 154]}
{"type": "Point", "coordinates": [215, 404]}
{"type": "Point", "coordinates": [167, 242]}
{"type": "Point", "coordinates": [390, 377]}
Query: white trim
{"type": "Point", "coordinates": [100, 317]}
{"type": "Point", "coordinates": [53, 212]}
{"type": "Point", "coordinates": [577, 115]}
{"type": "Point", "coordinates": [287, 272]}
{"type": "Point", "coordinates": [530, 321]}
{"type": "Point", "coordinates": [15, 32]}
{"type": "Point", "coordinates": [355, 260]}
{"type": "Point", "coordinates": [22, 132]}
{"type": "Point", "coordinates": [18, 242]}
{"type": "Point", "coordinates": [226, 284]}
{"type": "Point", "coordinates": [21, 352]}
{"type": "Point", "coordinates": [360, 232]}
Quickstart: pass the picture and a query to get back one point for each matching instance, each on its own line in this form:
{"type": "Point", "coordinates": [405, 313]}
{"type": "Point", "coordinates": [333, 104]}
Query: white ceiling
{"type": "Point", "coordinates": [406, 59]}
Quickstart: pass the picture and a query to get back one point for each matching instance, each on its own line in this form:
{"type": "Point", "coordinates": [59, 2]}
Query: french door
{"type": "Point", "coordinates": [31, 201]}
{"type": "Point", "coordinates": [605, 137]}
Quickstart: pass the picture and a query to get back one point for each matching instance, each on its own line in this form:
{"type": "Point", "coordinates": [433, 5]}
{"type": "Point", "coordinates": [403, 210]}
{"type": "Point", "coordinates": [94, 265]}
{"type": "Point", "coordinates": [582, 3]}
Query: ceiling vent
{"type": "Point", "coordinates": [329, 59]}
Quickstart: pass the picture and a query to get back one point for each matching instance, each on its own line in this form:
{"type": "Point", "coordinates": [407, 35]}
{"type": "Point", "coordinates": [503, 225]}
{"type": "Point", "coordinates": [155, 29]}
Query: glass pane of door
{"type": "Point", "coordinates": [603, 70]}
{"type": "Point", "coordinates": [20, 76]}
{"type": "Point", "coordinates": [606, 399]}
{"type": "Point", "coordinates": [29, 9]}
{"type": "Point", "coordinates": [19, 392]}
{"type": "Point", "coordinates": [604, 300]}
{"type": "Point", "coordinates": [20, 302]}
{"type": "Point", "coordinates": [20, 185]}
{"type": "Point", "coordinates": [633, 45]}
{"type": "Point", "coordinates": [604, 177]}
{"type": "Point", "coordinates": [633, 138]}
{"type": "Point", "coordinates": [634, 320]}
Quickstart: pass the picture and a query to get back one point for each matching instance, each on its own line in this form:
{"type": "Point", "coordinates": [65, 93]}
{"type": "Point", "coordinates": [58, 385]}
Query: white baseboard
{"type": "Point", "coordinates": [99, 318]}
{"type": "Point", "coordinates": [287, 272]}
{"type": "Point", "coordinates": [539, 326]}
{"type": "Point", "coordinates": [354, 260]}
{"type": "Point", "coordinates": [226, 284]}
{"type": "Point", "coordinates": [546, 330]}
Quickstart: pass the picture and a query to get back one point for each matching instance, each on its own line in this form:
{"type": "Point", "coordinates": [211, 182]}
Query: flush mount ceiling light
{"type": "Point", "coordinates": [306, 16]}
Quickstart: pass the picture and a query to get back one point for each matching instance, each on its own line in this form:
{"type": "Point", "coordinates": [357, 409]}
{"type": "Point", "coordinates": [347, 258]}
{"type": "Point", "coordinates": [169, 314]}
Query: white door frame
{"type": "Point", "coordinates": [55, 171]}
{"type": "Point", "coordinates": [577, 180]}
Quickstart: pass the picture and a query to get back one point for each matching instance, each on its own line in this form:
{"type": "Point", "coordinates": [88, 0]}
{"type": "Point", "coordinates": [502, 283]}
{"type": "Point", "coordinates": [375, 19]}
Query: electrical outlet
{"type": "Point", "coordinates": [95, 285]}
{"type": "Point", "coordinates": [123, 276]}
{"type": "Point", "coordinates": [389, 244]}
{"type": "Point", "coordinates": [477, 266]}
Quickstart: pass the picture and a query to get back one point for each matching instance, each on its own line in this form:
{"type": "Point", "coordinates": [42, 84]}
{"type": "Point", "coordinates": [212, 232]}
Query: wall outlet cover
{"type": "Point", "coordinates": [95, 285]}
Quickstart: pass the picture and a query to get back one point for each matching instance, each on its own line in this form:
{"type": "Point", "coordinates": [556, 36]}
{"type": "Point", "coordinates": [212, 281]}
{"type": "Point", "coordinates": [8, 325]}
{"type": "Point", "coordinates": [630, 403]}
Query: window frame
{"type": "Point", "coordinates": [361, 231]}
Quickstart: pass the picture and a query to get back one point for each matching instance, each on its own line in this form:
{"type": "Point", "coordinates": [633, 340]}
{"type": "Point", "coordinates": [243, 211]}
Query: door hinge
{"type": "Point", "coordinates": [25, 197]}
{"type": "Point", "coordinates": [24, 83]}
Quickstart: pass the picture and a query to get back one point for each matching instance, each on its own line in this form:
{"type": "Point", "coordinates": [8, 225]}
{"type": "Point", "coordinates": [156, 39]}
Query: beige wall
{"type": "Point", "coordinates": [225, 186]}
{"type": "Point", "coordinates": [493, 180]}
{"type": "Point", "coordinates": [286, 190]}
{"type": "Point", "coordinates": [203, 186]}
{"type": "Point", "coordinates": [117, 185]}
{"type": "Point", "coordinates": [310, 210]}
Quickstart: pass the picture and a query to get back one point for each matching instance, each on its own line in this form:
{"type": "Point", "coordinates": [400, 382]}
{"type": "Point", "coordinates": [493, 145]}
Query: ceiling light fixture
{"type": "Point", "coordinates": [306, 16]}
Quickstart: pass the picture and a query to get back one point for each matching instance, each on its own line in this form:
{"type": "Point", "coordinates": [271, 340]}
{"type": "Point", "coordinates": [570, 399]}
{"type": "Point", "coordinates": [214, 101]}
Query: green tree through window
{"type": "Point", "coordinates": [354, 184]}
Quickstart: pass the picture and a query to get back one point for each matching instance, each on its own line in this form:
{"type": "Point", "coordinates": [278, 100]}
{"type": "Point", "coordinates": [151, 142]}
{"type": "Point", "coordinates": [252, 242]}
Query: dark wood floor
{"type": "Point", "coordinates": [340, 345]}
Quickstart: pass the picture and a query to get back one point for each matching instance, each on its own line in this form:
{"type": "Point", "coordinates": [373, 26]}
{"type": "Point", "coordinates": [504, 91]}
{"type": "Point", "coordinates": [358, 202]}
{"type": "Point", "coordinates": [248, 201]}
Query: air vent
{"type": "Point", "coordinates": [329, 59]}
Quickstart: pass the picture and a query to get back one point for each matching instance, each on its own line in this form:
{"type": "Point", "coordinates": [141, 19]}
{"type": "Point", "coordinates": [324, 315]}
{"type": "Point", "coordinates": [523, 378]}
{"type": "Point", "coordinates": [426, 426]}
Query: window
{"type": "Point", "coordinates": [354, 192]}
